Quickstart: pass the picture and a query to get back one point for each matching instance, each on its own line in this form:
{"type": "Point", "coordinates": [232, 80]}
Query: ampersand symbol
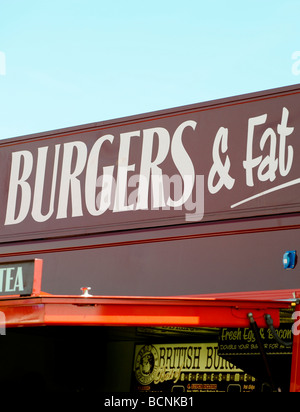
{"type": "Point", "coordinates": [218, 167]}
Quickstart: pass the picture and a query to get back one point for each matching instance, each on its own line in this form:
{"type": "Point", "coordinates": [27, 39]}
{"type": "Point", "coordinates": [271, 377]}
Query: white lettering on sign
{"type": "Point", "coordinates": [78, 185]}
{"type": "Point", "coordinates": [267, 167]}
{"type": "Point", "coordinates": [221, 142]}
{"type": "Point", "coordinates": [279, 160]}
{"type": "Point", "coordinates": [76, 161]}
{"type": "Point", "coordinates": [11, 279]}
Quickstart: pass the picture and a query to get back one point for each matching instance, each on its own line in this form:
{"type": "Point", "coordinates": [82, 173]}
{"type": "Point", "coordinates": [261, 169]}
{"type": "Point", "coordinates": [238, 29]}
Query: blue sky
{"type": "Point", "coordinates": [70, 62]}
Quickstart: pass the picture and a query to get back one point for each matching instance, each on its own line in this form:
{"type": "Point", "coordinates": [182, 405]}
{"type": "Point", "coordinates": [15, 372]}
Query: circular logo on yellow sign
{"type": "Point", "coordinates": [146, 365]}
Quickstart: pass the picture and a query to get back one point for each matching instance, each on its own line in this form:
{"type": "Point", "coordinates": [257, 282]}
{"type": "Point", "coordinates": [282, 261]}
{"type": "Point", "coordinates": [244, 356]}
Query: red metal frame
{"type": "Point", "coordinates": [137, 311]}
{"type": "Point", "coordinates": [198, 311]}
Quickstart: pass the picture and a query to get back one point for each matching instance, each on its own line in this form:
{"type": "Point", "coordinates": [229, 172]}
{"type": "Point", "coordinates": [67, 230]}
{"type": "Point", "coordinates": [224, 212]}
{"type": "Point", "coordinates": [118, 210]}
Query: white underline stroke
{"type": "Point", "coordinates": [274, 189]}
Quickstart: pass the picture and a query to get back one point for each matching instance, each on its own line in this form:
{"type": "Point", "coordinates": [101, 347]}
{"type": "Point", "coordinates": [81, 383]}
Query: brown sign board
{"type": "Point", "coordinates": [226, 159]}
{"type": "Point", "coordinates": [21, 278]}
{"type": "Point", "coordinates": [194, 200]}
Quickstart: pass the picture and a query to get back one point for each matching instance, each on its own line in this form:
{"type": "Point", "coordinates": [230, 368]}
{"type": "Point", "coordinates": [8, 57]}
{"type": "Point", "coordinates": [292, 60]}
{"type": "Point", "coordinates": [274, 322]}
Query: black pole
{"type": "Point", "coordinates": [255, 330]}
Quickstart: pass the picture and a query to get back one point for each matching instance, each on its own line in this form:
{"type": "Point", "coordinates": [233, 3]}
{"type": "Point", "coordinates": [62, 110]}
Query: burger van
{"type": "Point", "coordinates": [155, 253]}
